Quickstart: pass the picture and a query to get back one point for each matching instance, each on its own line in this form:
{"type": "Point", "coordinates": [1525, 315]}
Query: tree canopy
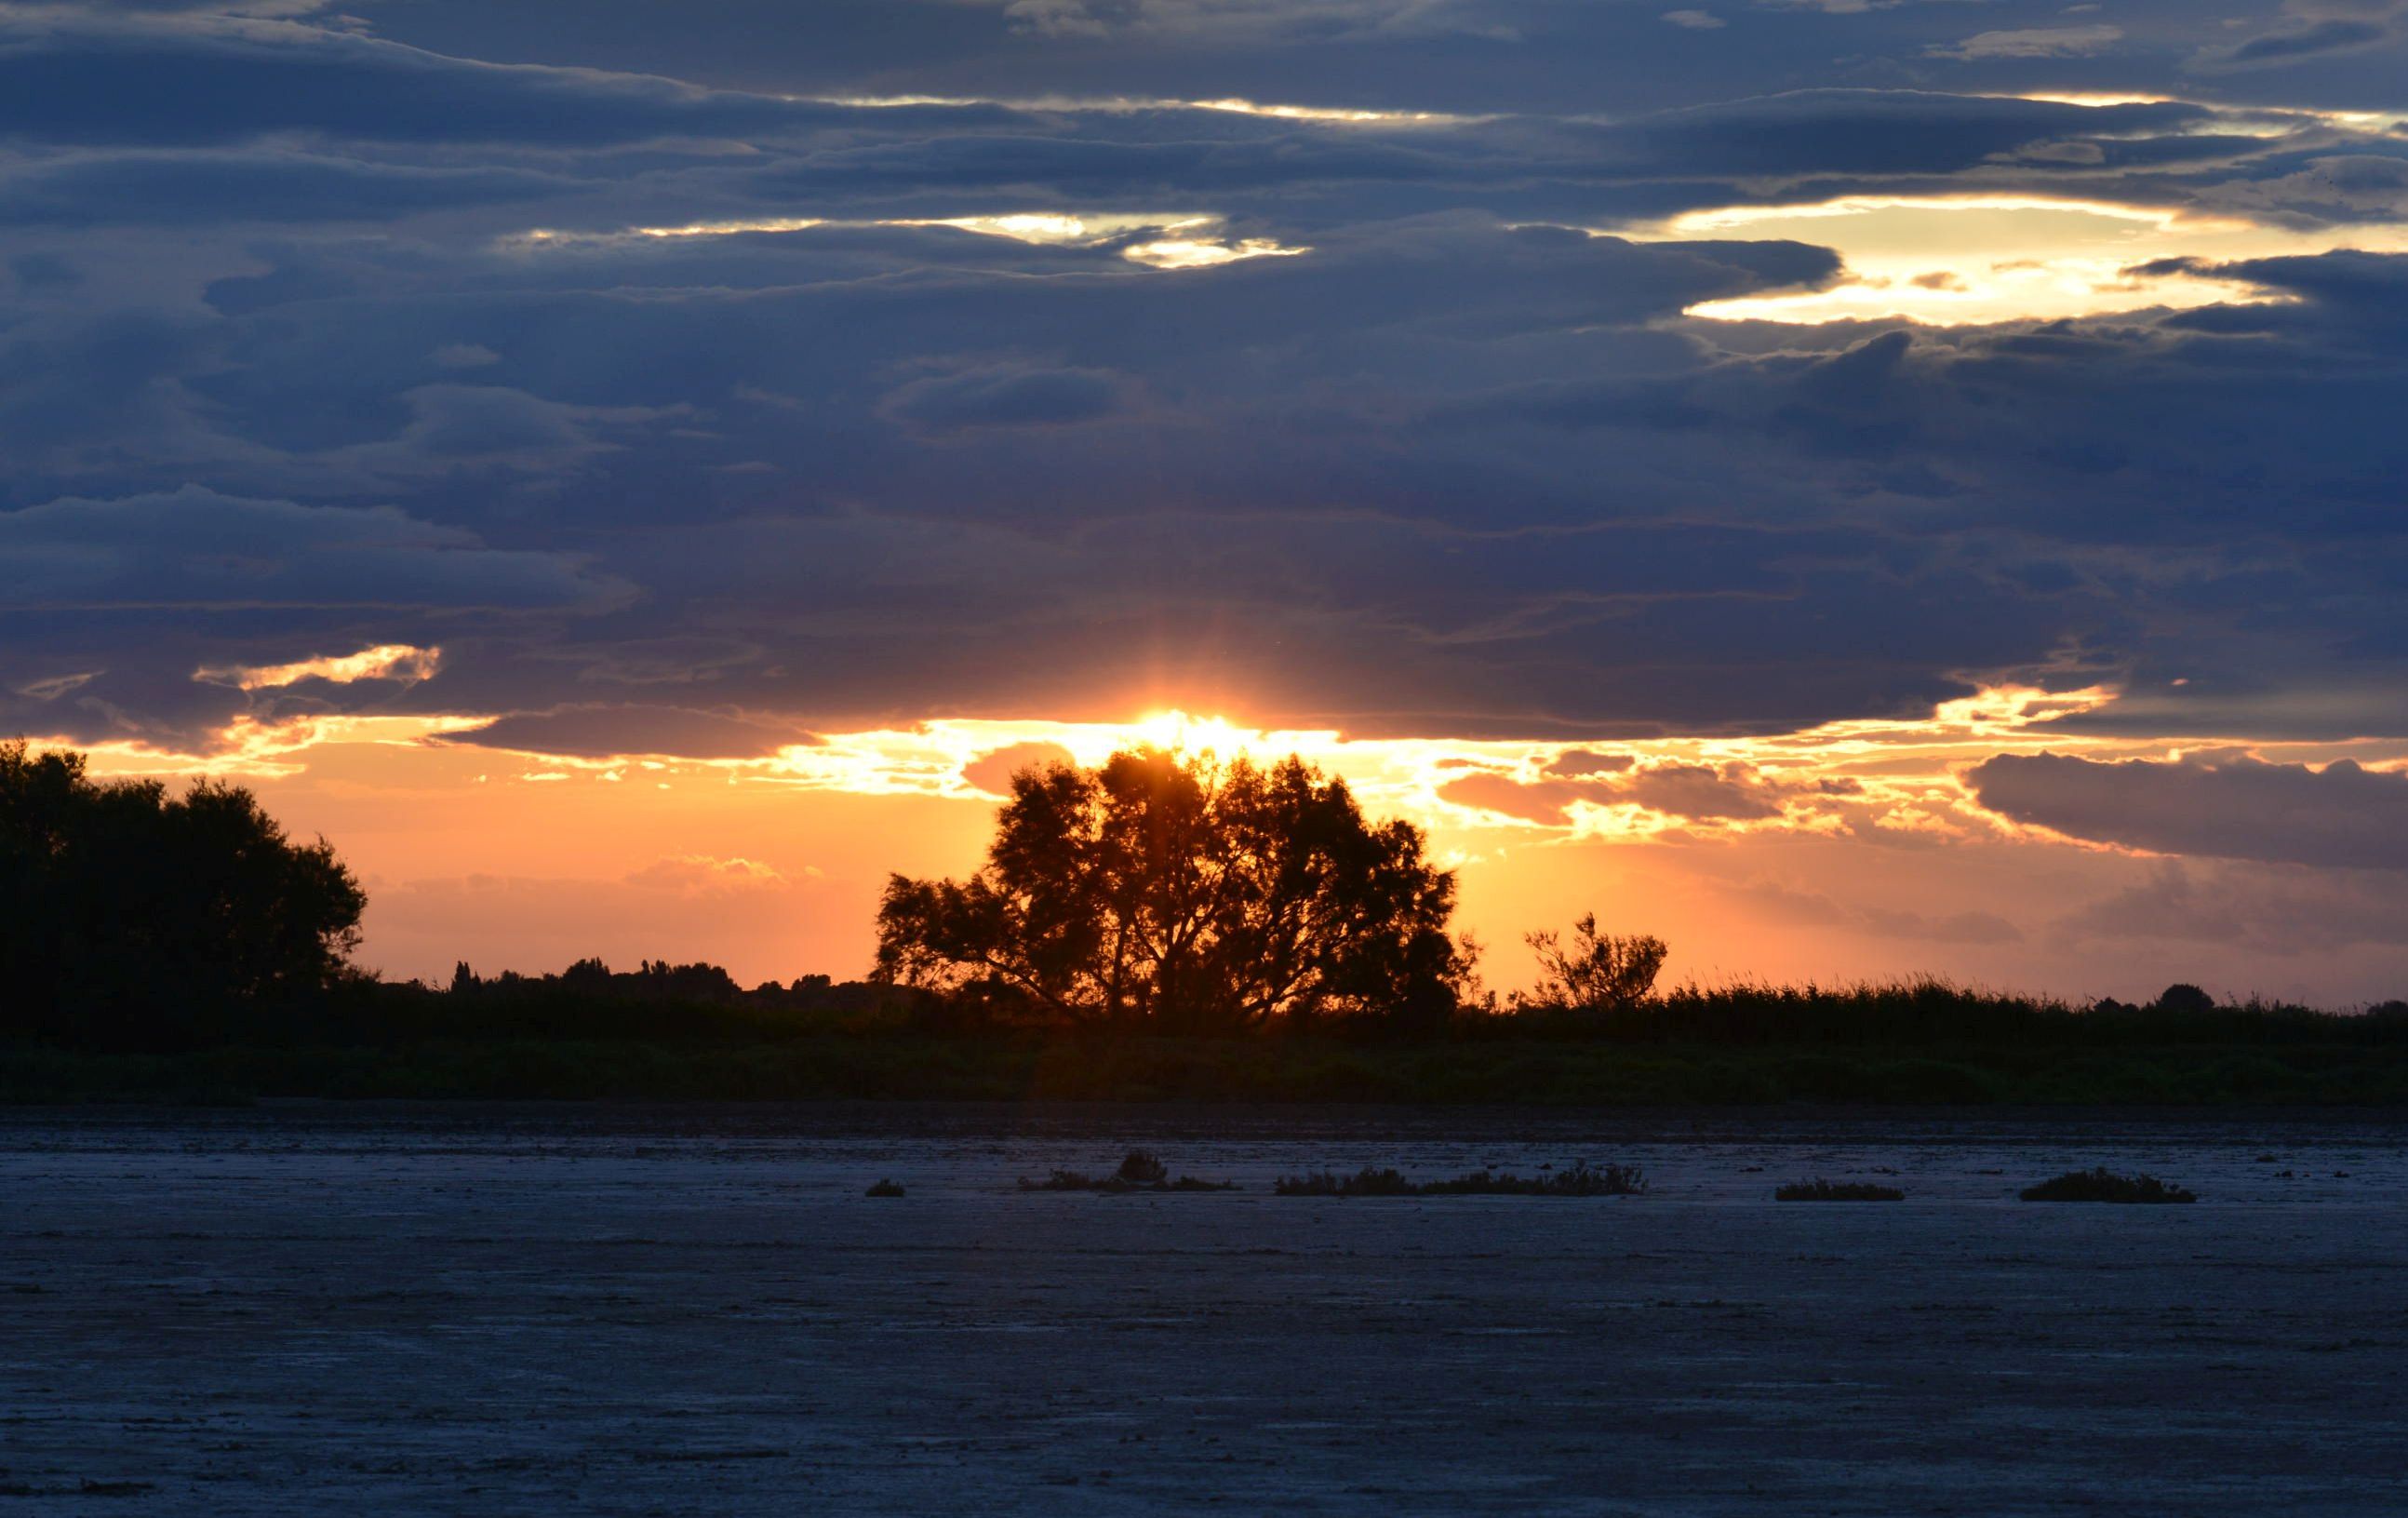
{"type": "Point", "coordinates": [1183, 894]}
{"type": "Point", "coordinates": [125, 911]}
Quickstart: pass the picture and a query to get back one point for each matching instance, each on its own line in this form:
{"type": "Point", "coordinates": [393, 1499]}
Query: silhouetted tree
{"type": "Point", "coordinates": [127, 912]}
{"type": "Point", "coordinates": [1184, 894]}
{"type": "Point", "coordinates": [2185, 999]}
{"type": "Point", "coordinates": [1600, 972]}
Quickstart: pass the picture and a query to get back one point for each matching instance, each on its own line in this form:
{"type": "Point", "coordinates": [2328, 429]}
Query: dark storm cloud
{"type": "Point", "coordinates": [104, 84]}
{"type": "Point", "coordinates": [243, 86]}
{"type": "Point", "coordinates": [2219, 805]}
{"type": "Point", "coordinates": [1008, 397]}
{"type": "Point", "coordinates": [1472, 55]}
{"type": "Point", "coordinates": [198, 549]}
{"type": "Point", "coordinates": [1450, 466]}
{"type": "Point", "coordinates": [163, 189]}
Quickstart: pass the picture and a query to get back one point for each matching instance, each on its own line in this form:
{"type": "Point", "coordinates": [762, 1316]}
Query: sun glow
{"type": "Point", "coordinates": [1870, 777]}
{"type": "Point", "coordinates": [1972, 259]}
{"type": "Point", "coordinates": [533, 858]}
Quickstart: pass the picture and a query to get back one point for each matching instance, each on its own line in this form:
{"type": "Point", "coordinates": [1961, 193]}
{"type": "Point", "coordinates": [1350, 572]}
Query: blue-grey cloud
{"type": "Point", "coordinates": [2217, 805]}
{"type": "Point", "coordinates": [196, 549]}
{"type": "Point", "coordinates": [1467, 454]}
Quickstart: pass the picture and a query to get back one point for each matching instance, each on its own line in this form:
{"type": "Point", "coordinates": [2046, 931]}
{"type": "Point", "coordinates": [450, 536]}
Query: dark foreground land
{"type": "Point", "coordinates": [483, 1309]}
{"type": "Point", "coordinates": [913, 1066]}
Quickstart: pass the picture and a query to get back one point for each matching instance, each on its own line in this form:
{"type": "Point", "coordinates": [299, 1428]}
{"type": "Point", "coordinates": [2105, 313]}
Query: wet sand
{"type": "Point", "coordinates": [483, 1311]}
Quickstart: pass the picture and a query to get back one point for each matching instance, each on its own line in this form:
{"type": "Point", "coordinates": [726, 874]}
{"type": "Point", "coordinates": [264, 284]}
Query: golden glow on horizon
{"type": "Point", "coordinates": [1883, 775]}
{"type": "Point", "coordinates": [772, 865]}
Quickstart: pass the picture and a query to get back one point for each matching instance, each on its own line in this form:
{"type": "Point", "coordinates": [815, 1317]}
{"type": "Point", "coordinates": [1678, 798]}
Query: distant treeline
{"type": "Point", "coordinates": [1157, 926]}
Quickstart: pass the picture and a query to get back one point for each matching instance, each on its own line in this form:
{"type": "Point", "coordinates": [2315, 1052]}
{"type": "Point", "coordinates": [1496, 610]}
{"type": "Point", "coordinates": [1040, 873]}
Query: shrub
{"type": "Point", "coordinates": [1601, 972]}
{"type": "Point", "coordinates": [1071, 1180]}
{"type": "Point", "coordinates": [1578, 1181]}
{"type": "Point", "coordinates": [884, 1188]}
{"type": "Point", "coordinates": [2185, 1000]}
{"type": "Point", "coordinates": [1140, 1171]}
{"type": "Point", "coordinates": [1364, 1182]}
{"type": "Point", "coordinates": [2104, 1185]}
{"type": "Point", "coordinates": [1819, 1190]}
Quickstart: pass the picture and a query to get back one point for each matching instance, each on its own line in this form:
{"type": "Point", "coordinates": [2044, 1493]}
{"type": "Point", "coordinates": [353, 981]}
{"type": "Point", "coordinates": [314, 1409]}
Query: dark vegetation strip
{"type": "Point", "coordinates": [907, 1066]}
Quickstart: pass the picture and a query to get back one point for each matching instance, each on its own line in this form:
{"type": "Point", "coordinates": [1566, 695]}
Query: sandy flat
{"type": "Point", "coordinates": [659, 1310]}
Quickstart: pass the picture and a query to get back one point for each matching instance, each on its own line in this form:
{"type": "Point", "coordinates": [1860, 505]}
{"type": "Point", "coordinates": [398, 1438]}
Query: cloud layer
{"type": "Point", "coordinates": [706, 390]}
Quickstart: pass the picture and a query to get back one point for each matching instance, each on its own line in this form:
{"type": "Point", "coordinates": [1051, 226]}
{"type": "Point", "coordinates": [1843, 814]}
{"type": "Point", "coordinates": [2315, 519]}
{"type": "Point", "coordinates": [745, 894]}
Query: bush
{"type": "Point", "coordinates": [1601, 972]}
{"type": "Point", "coordinates": [2104, 1185]}
{"type": "Point", "coordinates": [1364, 1182]}
{"type": "Point", "coordinates": [884, 1188]}
{"type": "Point", "coordinates": [1140, 1172]}
{"type": "Point", "coordinates": [1579, 1180]}
{"type": "Point", "coordinates": [2185, 1000]}
{"type": "Point", "coordinates": [1141, 1168]}
{"type": "Point", "coordinates": [1819, 1190]}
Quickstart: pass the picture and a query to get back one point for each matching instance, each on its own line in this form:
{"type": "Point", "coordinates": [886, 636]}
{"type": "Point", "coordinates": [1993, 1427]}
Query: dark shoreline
{"type": "Point", "coordinates": [663, 1128]}
{"type": "Point", "coordinates": [1145, 1071]}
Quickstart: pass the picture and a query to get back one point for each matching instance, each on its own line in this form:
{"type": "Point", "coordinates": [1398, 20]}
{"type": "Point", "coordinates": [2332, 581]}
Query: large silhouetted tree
{"type": "Point", "coordinates": [129, 913]}
{"type": "Point", "coordinates": [1183, 894]}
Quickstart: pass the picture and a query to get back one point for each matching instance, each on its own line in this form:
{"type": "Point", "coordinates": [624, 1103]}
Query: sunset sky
{"type": "Point", "coordinates": [1857, 487]}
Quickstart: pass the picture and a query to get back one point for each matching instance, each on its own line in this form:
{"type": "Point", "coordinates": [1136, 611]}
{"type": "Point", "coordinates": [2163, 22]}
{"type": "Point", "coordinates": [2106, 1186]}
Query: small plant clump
{"type": "Point", "coordinates": [2104, 1185]}
{"type": "Point", "coordinates": [1140, 1172]}
{"type": "Point", "coordinates": [1579, 1180]}
{"type": "Point", "coordinates": [1819, 1190]}
{"type": "Point", "coordinates": [884, 1188]}
{"type": "Point", "coordinates": [1366, 1181]}
{"type": "Point", "coordinates": [1140, 1167]}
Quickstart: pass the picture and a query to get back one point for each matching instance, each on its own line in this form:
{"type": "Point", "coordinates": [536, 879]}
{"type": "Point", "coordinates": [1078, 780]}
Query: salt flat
{"type": "Point", "coordinates": [661, 1310]}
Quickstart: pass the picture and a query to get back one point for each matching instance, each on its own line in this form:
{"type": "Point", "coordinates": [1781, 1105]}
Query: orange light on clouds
{"type": "Point", "coordinates": [386, 661]}
{"type": "Point", "coordinates": [1735, 846]}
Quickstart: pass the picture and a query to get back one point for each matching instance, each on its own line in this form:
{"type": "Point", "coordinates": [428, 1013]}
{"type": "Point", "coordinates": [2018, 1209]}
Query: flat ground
{"type": "Point", "coordinates": [483, 1311]}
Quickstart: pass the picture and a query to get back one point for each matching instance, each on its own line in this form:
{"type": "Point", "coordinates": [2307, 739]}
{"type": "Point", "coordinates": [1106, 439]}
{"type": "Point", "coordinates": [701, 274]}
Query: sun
{"type": "Point", "coordinates": [1178, 732]}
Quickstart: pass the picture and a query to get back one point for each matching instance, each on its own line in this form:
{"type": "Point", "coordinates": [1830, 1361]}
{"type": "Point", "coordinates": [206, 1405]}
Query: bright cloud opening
{"type": "Point", "coordinates": [386, 661]}
{"type": "Point", "coordinates": [1970, 260]}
